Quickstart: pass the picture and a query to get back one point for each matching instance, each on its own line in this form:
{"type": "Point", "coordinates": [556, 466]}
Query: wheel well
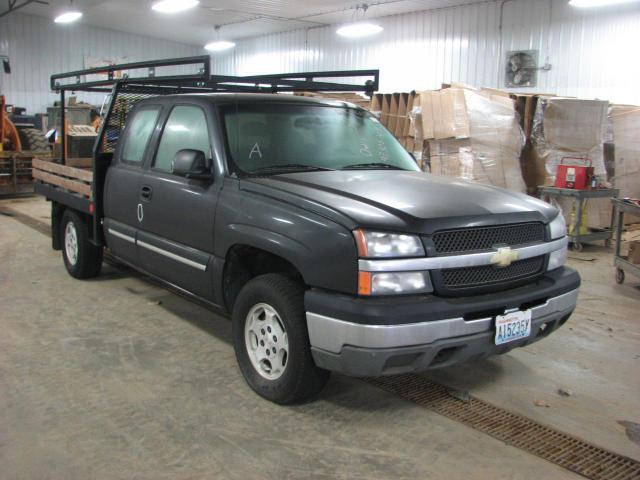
{"type": "Point", "coordinates": [244, 262]}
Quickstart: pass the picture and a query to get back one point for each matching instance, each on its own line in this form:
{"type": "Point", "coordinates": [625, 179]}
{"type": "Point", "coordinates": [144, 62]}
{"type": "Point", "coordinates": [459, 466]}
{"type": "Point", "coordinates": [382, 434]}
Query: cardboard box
{"type": "Point", "coordinates": [393, 112]}
{"type": "Point", "coordinates": [634, 251]}
{"type": "Point", "coordinates": [444, 114]}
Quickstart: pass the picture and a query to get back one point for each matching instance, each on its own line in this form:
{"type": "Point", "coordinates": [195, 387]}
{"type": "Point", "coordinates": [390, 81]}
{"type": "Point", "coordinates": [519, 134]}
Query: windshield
{"type": "Point", "coordinates": [277, 138]}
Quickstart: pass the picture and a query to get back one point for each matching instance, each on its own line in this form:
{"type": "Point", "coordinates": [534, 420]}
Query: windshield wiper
{"type": "Point", "coordinates": [371, 166]}
{"type": "Point", "coordinates": [289, 167]}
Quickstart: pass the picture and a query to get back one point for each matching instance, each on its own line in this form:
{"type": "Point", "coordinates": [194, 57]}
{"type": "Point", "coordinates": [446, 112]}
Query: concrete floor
{"type": "Point", "coordinates": [119, 378]}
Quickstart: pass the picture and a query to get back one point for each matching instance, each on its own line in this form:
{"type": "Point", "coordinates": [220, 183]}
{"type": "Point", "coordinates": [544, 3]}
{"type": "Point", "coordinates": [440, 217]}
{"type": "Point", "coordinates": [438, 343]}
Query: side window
{"type": "Point", "coordinates": [138, 134]}
{"type": "Point", "coordinates": [185, 128]}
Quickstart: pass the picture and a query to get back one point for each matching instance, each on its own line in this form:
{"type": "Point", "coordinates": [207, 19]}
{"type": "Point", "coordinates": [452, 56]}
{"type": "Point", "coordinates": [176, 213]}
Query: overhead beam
{"type": "Point", "coordinates": [13, 5]}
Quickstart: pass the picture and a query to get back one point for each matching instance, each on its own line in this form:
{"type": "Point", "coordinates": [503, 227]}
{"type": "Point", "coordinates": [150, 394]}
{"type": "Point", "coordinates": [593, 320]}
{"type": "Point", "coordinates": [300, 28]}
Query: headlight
{"type": "Point", "coordinates": [387, 245]}
{"type": "Point", "coordinates": [558, 227]}
{"type": "Point", "coordinates": [393, 283]}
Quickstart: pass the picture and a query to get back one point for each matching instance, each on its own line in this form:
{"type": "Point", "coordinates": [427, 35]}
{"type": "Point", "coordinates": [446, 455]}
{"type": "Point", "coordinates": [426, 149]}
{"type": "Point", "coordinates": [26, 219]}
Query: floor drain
{"type": "Point", "coordinates": [560, 448]}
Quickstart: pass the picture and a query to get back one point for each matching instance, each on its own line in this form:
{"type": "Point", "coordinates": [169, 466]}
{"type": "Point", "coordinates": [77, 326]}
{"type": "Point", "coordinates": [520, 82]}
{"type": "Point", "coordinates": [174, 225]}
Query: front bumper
{"type": "Point", "coordinates": [373, 337]}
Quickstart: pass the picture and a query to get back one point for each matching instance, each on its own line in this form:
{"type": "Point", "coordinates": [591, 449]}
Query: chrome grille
{"type": "Point", "coordinates": [487, 275]}
{"type": "Point", "coordinates": [448, 242]}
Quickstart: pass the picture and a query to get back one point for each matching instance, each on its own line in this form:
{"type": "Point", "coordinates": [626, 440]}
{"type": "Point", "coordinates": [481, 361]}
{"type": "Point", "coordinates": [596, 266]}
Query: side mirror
{"type": "Point", "coordinates": [191, 164]}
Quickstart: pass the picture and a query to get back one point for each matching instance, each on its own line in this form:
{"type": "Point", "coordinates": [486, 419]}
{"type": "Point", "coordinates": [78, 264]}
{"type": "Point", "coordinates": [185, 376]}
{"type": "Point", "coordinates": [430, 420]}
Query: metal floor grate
{"type": "Point", "coordinates": [560, 448]}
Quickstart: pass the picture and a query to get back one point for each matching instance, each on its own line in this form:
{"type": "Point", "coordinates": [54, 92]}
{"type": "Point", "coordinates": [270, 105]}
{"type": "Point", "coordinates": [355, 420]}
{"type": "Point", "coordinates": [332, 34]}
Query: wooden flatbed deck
{"type": "Point", "coordinates": [76, 180]}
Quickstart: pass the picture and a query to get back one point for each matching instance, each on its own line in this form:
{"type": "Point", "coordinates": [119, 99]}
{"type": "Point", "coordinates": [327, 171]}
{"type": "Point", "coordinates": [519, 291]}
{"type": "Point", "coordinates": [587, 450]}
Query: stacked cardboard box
{"type": "Point", "coordinates": [396, 112]}
{"type": "Point", "coordinates": [473, 134]}
{"type": "Point", "coordinates": [626, 139]}
{"type": "Point", "coordinates": [393, 110]}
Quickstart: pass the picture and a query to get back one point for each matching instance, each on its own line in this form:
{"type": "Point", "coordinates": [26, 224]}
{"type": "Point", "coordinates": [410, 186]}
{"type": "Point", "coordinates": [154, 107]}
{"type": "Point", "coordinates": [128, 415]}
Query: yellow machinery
{"type": "Point", "coordinates": [18, 146]}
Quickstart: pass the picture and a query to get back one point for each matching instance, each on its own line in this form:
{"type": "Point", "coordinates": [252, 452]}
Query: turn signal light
{"type": "Point", "coordinates": [364, 283]}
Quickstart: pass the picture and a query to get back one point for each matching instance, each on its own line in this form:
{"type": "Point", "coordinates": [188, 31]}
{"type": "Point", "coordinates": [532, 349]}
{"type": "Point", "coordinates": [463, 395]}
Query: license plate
{"type": "Point", "coordinates": [513, 326]}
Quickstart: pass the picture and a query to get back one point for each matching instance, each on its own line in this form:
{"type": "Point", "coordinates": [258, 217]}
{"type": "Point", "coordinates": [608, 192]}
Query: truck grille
{"type": "Point", "coordinates": [486, 275]}
{"type": "Point", "coordinates": [448, 242]}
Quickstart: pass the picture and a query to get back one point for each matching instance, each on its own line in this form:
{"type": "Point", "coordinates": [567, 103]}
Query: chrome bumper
{"type": "Point", "coordinates": [331, 334]}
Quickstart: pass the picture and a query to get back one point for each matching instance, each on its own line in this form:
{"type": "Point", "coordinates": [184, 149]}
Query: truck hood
{"type": "Point", "coordinates": [401, 200]}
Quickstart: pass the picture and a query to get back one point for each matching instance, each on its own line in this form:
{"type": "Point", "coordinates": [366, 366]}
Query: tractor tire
{"type": "Point", "coordinates": [33, 140]}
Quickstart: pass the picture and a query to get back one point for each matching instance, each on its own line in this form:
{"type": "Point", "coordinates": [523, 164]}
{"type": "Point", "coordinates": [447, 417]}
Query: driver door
{"type": "Point", "coordinates": [176, 234]}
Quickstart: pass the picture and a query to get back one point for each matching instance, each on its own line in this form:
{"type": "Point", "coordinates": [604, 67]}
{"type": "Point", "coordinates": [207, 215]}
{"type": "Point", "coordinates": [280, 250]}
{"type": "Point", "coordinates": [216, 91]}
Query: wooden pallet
{"type": "Point", "coordinates": [74, 179]}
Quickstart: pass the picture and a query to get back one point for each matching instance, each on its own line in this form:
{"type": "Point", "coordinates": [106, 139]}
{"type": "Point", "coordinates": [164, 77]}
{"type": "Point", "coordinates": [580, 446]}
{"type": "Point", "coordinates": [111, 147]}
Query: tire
{"type": "Point", "coordinates": [299, 379]}
{"type": "Point", "coordinates": [619, 276]}
{"type": "Point", "coordinates": [33, 140]}
{"type": "Point", "coordinates": [81, 258]}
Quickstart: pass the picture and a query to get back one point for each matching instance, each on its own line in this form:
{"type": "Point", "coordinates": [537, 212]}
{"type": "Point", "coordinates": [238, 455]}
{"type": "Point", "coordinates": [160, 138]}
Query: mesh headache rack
{"type": "Point", "coordinates": [129, 82]}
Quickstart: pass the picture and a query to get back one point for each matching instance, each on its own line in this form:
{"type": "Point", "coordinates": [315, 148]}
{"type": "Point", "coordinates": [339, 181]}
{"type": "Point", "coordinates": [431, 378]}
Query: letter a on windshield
{"type": "Point", "coordinates": [255, 149]}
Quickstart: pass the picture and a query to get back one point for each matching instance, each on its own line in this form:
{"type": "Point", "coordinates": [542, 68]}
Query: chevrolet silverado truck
{"type": "Point", "coordinates": [308, 222]}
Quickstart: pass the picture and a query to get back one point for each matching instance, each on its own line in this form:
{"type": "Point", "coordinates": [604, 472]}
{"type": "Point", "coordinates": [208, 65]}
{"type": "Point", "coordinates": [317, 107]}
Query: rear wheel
{"type": "Point", "coordinates": [272, 343]}
{"type": "Point", "coordinates": [81, 258]}
{"type": "Point", "coordinates": [33, 140]}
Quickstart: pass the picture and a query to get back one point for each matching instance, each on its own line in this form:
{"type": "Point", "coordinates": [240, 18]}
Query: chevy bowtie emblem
{"type": "Point", "coordinates": [504, 257]}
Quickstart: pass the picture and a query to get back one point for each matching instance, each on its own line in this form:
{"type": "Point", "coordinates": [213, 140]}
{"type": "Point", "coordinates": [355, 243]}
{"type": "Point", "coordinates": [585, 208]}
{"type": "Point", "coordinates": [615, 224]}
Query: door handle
{"type": "Point", "coordinates": [146, 192]}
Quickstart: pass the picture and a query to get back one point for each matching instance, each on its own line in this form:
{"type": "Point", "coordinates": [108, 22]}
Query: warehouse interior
{"type": "Point", "coordinates": [510, 113]}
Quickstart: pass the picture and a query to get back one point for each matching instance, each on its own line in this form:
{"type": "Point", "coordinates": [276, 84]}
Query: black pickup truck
{"type": "Point", "coordinates": [309, 223]}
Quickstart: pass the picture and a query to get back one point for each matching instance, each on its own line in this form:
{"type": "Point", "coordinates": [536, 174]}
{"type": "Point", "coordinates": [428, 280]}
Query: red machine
{"type": "Point", "coordinates": [574, 176]}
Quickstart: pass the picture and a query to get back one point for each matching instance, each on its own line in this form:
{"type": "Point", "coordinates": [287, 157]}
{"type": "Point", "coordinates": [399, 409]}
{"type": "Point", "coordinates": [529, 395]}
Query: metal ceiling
{"type": "Point", "coordinates": [238, 18]}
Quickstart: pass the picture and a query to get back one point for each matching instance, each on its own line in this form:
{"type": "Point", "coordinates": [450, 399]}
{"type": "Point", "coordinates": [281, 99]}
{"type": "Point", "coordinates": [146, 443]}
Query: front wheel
{"type": "Point", "coordinates": [81, 258]}
{"type": "Point", "coordinates": [272, 343]}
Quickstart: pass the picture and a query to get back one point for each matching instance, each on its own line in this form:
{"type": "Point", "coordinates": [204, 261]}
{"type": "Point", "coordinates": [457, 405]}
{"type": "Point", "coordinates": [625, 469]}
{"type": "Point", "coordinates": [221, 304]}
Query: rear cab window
{"type": "Point", "coordinates": [138, 133]}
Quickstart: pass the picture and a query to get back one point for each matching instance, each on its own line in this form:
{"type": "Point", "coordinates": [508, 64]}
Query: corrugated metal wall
{"type": "Point", "coordinates": [38, 48]}
{"type": "Point", "coordinates": [589, 50]}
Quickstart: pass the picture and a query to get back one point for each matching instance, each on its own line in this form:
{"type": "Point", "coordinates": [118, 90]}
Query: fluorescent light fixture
{"type": "Point", "coordinates": [356, 30]}
{"type": "Point", "coordinates": [68, 17]}
{"type": "Point", "coordinates": [597, 3]}
{"type": "Point", "coordinates": [219, 46]}
{"type": "Point", "coordinates": [174, 6]}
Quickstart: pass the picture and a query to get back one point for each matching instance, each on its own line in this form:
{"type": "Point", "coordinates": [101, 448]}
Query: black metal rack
{"type": "Point", "coordinates": [143, 79]}
{"type": "Point", "coordinates": [203, 81]}
{"type": "Point", "coordinates": [130, 82]}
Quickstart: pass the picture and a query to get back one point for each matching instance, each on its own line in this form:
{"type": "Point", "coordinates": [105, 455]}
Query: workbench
{"type": "Point", "coordinates": [579, 196]}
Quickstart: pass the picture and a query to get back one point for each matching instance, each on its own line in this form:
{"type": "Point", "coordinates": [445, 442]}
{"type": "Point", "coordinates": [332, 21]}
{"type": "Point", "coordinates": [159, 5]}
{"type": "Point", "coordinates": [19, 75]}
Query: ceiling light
{"type": "Point", "coordinates": [174, 6]}
{"type": "Point", "coordinates": [219, 46]}
{"type": "Point", "coordinates": [68, 17]}
{"type": "Point", "coordinates": [596, 3]}
{"type": "Point", "coordinates": [356, 30]}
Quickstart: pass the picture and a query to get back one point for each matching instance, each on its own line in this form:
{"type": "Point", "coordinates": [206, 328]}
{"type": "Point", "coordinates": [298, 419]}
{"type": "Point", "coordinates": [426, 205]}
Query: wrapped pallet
{"type": "Point", "coordinates": [473, 135]}
{"type": "Point", "coordinates": [569, 127]}
{"type": "Point", "coordinates": [625, 121]}
{"type": "Point", "coordinates": [573, 131]}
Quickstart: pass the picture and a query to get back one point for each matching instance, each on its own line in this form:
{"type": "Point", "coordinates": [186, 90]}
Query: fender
{"type": "Point", "coordinates": [321, 249]}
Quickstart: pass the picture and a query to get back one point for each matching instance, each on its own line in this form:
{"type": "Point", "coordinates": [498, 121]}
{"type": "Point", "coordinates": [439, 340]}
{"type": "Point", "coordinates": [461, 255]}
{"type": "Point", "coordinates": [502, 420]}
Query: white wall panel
{"type": "Point", "coordinates": [590, 50]}
{"type": "Point", "coordinates": [38, 48]}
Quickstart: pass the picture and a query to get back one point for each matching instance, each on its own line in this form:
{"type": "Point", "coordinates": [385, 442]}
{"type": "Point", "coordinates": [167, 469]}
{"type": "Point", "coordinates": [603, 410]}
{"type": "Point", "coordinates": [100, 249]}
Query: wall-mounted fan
{"type": "Point", "coordinates": [521, 68]}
